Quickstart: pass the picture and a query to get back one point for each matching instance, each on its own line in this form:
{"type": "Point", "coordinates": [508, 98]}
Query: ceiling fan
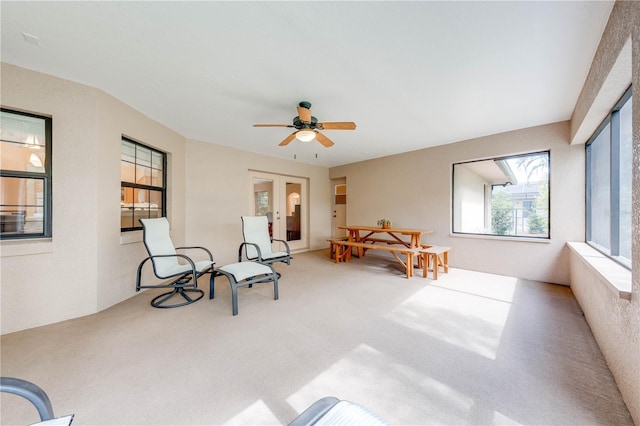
{"type": "Point", "coordinates": [307, 127]}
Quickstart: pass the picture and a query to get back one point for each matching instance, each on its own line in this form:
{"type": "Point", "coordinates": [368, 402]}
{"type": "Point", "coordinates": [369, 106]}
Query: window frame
{"type": "Point", "coordinates": [162, 189]}
{"type": "Point", "coordinates": [46, 176]}
{"type": "Point", "coordinates": [522, 237]}
{"type": "Point", "coordinates": [613, 121]}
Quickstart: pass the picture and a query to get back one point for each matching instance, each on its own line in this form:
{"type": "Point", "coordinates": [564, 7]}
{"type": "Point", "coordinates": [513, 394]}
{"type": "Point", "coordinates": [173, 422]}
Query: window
{"type": "Point", "coordinates": [340, 193]}
{"type": "Point", "coordinates": [506, 196]}
{"type": "Point", "coordinates": [25, 175]}
{"type": "Point", "coordinates": [143, 184]}
{"type": "Point", "coordinates": [609, 159]}
{"type": "Point", "coordinates": [262, 203]}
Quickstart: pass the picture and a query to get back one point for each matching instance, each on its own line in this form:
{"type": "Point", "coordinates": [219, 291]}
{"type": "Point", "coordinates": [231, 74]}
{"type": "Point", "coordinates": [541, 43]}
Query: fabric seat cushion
{"type": "Point", "coordinates": [243, 270]}
{"type": "Point", "coordinates": [274, 255]}
{"type": "Point", "coordinates": [186, 267]}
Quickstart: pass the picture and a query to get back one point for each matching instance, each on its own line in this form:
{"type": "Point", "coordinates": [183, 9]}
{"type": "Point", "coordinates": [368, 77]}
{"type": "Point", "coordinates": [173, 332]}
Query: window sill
{"type": "Point", "coordinates": [130, 237]}
{"type": "Point", "coordinates": [616, 276]}
{"type": "Point", "coordinates": [500, 238]}
{"type": "Point", "coordinates": [26, 247]}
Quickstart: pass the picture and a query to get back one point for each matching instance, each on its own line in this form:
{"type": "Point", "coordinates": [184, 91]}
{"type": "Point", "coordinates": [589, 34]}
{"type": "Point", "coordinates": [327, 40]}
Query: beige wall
{"type": "Point", "coordinates": [425, 200]}
{"type": "Point", "coordinates": [87, 266]}
{"type": "Point", "coordinates": [117, 262]}
{"type": "Point", "coordinates": [219, 191]}
{"type": "Point", "coordinates": [84, 267]}
{"type": "Point", "coordinates": [42, 288]}
{"type": "Point", "coordinates": [615, 322]}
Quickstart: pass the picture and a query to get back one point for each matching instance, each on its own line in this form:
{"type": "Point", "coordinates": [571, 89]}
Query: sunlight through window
{"type": "Point", "coordinates": [256, 414]}
{"type": "Point", "coordinates": [380, 382]}
{"type": "Point", "coordinates": [460, 315]}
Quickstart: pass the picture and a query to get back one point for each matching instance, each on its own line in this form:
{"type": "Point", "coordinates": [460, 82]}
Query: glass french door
{"type": "Point", "coordinates": [283, 199]}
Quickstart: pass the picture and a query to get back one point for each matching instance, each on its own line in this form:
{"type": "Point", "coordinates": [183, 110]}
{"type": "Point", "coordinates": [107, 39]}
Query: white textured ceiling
{"type": "Point", "coordinates": [410, 74]}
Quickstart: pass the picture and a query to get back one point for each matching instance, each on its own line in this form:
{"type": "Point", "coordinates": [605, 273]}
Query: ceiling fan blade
{"type": "Point", "coordinates": [304, 114]}
{"type": "Point", "coordinates": [323, 140]}
{"type": "Point", "coordinates": [288, 139]}
{"type": "Point", "coordinates": [338, 125]}
{"type": "Point", "coordinates": [273, 125]}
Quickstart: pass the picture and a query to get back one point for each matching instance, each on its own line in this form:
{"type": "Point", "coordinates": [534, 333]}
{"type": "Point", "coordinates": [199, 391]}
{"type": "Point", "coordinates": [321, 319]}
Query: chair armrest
{"type": "Point", "coordinates": [139, 274]}
{"type": "Point", "coordinates": [199, 248]}
{"type": "Point", "coordinates": [28, 390]}
{"type": "Point", "coordinates": [242, 246]}
{"type": "Point", "coordinates": [286, 244]}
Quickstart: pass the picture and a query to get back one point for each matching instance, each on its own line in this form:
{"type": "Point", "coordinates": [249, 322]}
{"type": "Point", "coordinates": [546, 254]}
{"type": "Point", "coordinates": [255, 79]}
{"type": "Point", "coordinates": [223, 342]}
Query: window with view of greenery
{"type": "Point", "coordinates": [143, 184]}
{"type": "Point", "coordinates": [609, 157]}
{"type": "Point", "coordinates": [505, 196]}
{"type": "Point", "coordinates": [25, 175]}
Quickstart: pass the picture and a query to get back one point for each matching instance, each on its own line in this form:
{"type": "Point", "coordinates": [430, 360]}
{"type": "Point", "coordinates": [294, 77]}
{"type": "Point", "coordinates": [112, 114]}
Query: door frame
{"type": "Point", "coordinates": [279, 193]}
{"type": "Point", "coordinates": [338, 211]}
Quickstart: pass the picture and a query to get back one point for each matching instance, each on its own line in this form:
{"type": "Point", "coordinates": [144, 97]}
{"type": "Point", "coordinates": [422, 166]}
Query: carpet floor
{"type": "Point", "coordinates": [469, 348]}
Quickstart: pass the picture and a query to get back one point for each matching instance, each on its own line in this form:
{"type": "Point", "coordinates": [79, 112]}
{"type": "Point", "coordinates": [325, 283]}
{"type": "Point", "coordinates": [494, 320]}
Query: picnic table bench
{"type": "Point", "coordinates": [429, 257]}
{"type": "Point", "coordinates": [341, 252]}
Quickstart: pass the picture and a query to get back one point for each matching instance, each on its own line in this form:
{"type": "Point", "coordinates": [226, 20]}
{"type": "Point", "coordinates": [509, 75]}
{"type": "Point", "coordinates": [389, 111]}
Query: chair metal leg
{"type": "Point", "coordinates": [248, 282]}
{"type": "Point", "coordinates": [275, 286]}
{"type": "Point", "coordinates": [157, 302]}
{"type": "Point", "coordinates": [234, 298]}
{"type": "Point", "coordinates": [212, 284]}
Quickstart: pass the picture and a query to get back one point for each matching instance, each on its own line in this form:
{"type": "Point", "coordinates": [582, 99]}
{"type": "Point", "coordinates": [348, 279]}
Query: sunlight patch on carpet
{"type": "Point", "coordinates": [459, 315]}
{"type": "Point", "coordinates": [383, 385]}
{"type": "Point", "coordinates": [256, 414]}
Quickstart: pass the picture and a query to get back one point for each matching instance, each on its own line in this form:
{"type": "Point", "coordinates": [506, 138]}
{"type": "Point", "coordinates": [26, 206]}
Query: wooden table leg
{"type": "Point", "coordinates": [425, 264]}
{"type": "Point", "coordinates": [436, 266]}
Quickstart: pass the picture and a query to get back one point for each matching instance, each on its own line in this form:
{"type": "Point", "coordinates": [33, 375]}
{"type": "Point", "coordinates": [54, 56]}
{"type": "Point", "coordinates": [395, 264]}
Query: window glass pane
{"type": "Point", "coordinates": [143, 175]}
{"type": "Point", "coordinates": [141, 205]}
{"type": "Point", "coordinates": [143, 156]}
{"type": "Point", "coordinates": [262, 203]}
{"type": "Point", "coordinates": [22, 129]}
{"type": "Point", "coordinates": [600, 189]}
{"type": "Point", "coordinates": [157, 160]}
{"type": "Point", "coordinates": [502, 196]}
{"type": "Point", "coordinates": [23, 142]}
{"type": "Point", "coordinates": [626, 167]}
{"type": "Point", "coordinates": [127, 151]}
{"type": "Point", "coordinates": [127, 172]}
{"type": "Point", "coordinates": [155, 204]}
{"type": "Point", "coordinates": [22, 158]}
{"type": "Point", "coordinates": [156, 178]}
{"type": "Point", "coordinates": [126, 207]}
{"type": "Point", "coordinates": [21, 206]}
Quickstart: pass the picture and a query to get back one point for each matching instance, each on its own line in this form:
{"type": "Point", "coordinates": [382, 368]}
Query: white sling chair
{"type": "Point", "coordinates": [166, 265]}
{"type": "Point", "coordinates": [258, 243]}
{"type": "Point", "coordinates": [184, 276]}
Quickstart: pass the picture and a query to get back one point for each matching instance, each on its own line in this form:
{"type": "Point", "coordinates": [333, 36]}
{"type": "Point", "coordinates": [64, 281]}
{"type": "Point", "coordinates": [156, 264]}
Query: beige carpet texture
{"type": "Point", "coordinates": [468, 349]}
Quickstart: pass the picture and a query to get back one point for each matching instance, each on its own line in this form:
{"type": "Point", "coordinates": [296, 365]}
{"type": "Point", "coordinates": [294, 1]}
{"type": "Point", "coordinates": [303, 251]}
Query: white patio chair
{"type": "Point", "coordinates": [258, 244]}
{"type": "Point", "coordinates": [183, 277]}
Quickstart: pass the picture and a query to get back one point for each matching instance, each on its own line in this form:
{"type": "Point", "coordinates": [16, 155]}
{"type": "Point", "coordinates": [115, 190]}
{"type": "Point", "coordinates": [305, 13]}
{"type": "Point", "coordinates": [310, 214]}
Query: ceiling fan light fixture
{"type": "Point", "coordinates": [305, 135]}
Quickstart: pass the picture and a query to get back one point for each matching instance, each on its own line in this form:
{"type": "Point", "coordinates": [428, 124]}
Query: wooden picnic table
{"type": "Point", "coordinates": [363, 234]}
{"type": "Point", "coordinates": [364, 238]}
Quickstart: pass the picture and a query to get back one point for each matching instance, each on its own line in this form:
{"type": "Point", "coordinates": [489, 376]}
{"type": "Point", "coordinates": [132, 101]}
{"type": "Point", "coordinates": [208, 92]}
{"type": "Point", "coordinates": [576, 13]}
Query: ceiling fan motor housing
{"type": "Point", "coordinates": [299, 124]}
